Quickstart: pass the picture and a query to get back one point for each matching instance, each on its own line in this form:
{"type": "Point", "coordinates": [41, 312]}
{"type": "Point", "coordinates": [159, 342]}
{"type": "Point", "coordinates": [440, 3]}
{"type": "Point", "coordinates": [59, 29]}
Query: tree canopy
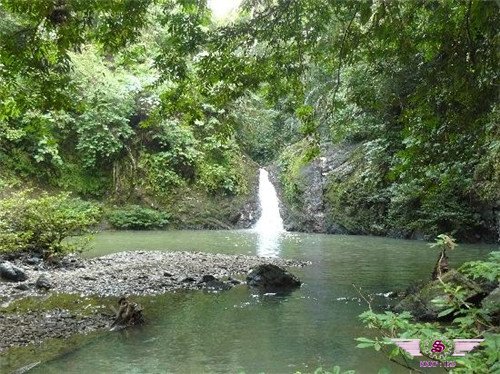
{"type": "Point", "coordinates": [126, 96]}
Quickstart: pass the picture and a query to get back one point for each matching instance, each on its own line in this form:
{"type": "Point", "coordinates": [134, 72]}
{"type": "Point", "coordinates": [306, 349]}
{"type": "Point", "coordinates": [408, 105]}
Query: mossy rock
{"type": "Point", "coordinates": [420, 304]}
{"type": "Point", "coordinates": [491, 304]}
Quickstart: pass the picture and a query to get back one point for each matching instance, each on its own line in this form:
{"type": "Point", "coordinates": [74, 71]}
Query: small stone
{"type": "Point", "coordinates": [167, 274]}
{"type": "Point", "coordinates": [207, 278]}
{"type": "Point", "coordinates": [233, 281]}
{"type": "Point", "coordinates": [217, 285]}
{"type": "Point", "coordinates": [43, 282]}
{"type": "Point", "coordinates": [22, 287]}
{"type": "Point", "coordinates": [33, 260]}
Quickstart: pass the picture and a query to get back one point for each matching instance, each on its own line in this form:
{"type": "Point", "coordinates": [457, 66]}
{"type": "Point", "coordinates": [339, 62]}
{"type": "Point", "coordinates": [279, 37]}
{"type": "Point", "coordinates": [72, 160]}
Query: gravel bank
{"type": "Point", "coordinates": [20, 329]}
{"type": "Point", "coordinates": [133, 273]}
{"type": "Point", "coordinates": [137, 273]}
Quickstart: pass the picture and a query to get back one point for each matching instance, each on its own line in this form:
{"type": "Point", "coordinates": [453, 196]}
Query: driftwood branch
{"type": "Point", "coordinates": [128, 314]}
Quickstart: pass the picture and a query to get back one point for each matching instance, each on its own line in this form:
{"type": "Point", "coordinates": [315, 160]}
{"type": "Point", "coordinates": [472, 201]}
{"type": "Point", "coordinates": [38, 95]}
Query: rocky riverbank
{"type": "Point", "coordinates": [137, 273]}
{"type": "Point", "coordinates": [129, 273]}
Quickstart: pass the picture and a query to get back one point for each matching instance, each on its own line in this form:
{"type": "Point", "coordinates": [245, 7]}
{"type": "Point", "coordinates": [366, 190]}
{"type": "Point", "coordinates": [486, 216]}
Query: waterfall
{"type": "Point", "coordinates": [269, 227]}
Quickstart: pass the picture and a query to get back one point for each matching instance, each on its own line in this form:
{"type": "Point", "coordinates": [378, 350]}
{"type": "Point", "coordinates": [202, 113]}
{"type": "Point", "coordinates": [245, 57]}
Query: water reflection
{"type": "Point", "coordinates": [268, 243]}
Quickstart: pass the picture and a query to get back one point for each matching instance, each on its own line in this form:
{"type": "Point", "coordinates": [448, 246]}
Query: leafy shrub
{"type": "Point", "coordinates": [135, 217]}
{"type": "Point", "coordinates": [82, 181]}
{"type": "Point", "coordinates": [489, 270]}
{"type": "Point", "coordinates": [220, 171]}
{"type": "Point", "coordinates": [305, 114]}
{"type": "Point", "coordinates": [42, 223]}
{"type": "Point", "coordinates": [159, 175]}
{"type": "Point", "coordinates": [216, 178]}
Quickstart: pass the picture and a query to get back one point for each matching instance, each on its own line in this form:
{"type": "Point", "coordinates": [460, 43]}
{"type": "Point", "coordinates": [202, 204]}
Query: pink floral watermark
{"type": "Point", "coordinates": [460, 347]}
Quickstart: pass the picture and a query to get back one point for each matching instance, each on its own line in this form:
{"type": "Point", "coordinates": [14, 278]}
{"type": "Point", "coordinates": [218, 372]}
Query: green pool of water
{"type": "Point", "coordinates": [238, 331]}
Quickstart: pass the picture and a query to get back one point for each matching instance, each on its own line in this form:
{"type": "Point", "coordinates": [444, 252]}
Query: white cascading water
{"type": "Point", "coordinates": [269, 227]}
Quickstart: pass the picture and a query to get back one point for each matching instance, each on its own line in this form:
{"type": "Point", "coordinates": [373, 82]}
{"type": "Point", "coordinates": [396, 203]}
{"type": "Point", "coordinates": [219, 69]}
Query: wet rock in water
{"type": "Point", "coordinates": [209, 282]}
{"type": "Point", "coordinates": [11, 272]}
{"type": "Point", "coordinates": [218, 285]}
{"type": "Point", "coordinates": [419, 303]}
{"type": "Point", "coordinates": [43, 282]}
{"type": "Point", "coordinates": [233, 281]}
{"type": "Point", "coordinates": [270, 277]}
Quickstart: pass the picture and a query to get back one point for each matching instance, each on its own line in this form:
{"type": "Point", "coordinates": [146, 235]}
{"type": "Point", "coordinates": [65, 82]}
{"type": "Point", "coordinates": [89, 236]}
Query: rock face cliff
{"type": "Point", "coordinates": [310, 212]}
{"type": "Point", "coordinates": [341, 191]}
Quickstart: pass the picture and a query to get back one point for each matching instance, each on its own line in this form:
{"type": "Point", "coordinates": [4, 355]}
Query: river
{"type": "Point", "coordinates": [239, 331]}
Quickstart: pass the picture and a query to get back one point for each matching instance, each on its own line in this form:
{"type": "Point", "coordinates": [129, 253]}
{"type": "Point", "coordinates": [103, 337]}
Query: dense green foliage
{"type": "Point", "coordinates": [414, 82]}
{"type": "Point", "coordinates": [92, 109]}
{"type": "Point", "coordinates": [42, 223]}
{"type": "Point", "coordinates": [134, 100]}
{"type": "Point", "coordinates": [137, 218]}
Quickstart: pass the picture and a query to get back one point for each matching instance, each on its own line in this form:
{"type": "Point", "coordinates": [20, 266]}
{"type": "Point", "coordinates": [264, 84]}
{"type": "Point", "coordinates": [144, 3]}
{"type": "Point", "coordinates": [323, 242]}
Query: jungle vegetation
{"type": "Point", "coordinates": [141, 111]}
{"type": "Point", "coordinates": [142, 101]}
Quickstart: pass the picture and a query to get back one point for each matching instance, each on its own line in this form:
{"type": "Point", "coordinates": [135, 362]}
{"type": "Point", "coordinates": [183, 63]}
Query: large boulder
{"type": "Point", "coordinates": [11, 272]}
{"type": "Point", "coordinates": [269, 277]}
{"type": "Point", "coordinates": [310, 209]}
{"type": "Point", "coordinates": [491, 304]}
{"type": "Point", "coordinates": [419, 302]}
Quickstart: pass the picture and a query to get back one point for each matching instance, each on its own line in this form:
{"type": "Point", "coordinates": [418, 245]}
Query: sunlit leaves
{"type": "Point", "coordinates": [489, 270]}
